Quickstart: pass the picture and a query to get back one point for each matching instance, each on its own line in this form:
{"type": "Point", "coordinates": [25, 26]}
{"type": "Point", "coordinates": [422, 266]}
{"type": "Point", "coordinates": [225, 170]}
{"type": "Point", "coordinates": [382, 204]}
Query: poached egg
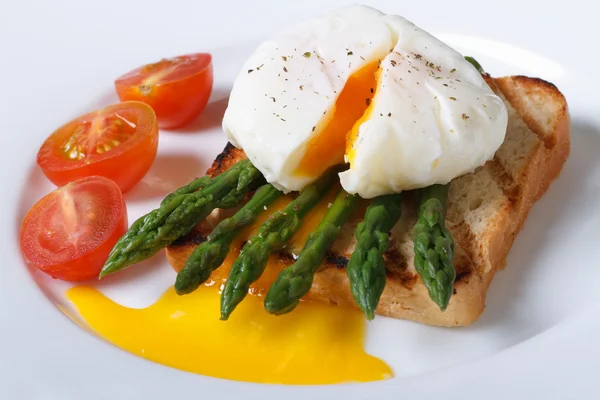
{"type": "Point", "coordinates": [402, 108]}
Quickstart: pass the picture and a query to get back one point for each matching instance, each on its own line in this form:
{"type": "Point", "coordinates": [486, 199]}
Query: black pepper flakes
{"type": "Point", "coordinates": [389, 114]}
{"type": "Point", "coordinates": [372, 90]}
{"type": "Point", "coordinates": [250, 70]}
{"type": "Point", "coordinates": [306, 54]}
{"type": "Point", "coordinates": [453, 98]}
{"type": "Point", "coordinates": [453, 70]}
{"type": "Point", "coordinates": [368, 101]}
{"type": "Point", "coordinates": [393, 63]}
{"type": "Point", "coordinates": [301, 87]}
{"type": "Point", "coordinates": [285, 69]}
{"type": "Point", "coordinates": [284, 58]}
{"type": "Point", "coordinates": [273, 98]}
{"type": "Point", "coordinates": [465, 117]}
{"type": "Point", "coordinates": [350, 53]}
{"type": "Point", "coordinates": [314, 127]}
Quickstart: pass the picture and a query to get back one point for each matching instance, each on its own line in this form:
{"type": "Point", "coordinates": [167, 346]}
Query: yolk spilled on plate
{"type": "Point", "coordinates": [327, 147]}
{"type": "Point", "coordinates": [315, 344]}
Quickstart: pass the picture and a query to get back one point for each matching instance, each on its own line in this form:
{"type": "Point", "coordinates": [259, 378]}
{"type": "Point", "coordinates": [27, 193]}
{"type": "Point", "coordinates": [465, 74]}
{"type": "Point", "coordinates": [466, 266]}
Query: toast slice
{"type": "Point", "coordinates": [486, 210]}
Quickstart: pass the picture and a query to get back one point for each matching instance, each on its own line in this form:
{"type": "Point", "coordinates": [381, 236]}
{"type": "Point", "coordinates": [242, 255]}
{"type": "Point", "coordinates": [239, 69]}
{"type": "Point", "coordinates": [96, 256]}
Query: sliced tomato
{"type": "Point", "coordinates": [177, 88]}
{"type": "Point", "coordinates": [69, 233]}
{"type": "Point", "coordinates": [118, 142]}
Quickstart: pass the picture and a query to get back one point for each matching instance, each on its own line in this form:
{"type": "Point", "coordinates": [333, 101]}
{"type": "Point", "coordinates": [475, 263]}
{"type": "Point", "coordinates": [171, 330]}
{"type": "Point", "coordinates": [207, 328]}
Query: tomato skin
{"type": "Point", "coordinates": [177, 98]}
{"type": "Point", "coordinates": [83, 259]}
{"type": "Point", "coordinates": [126, 164]}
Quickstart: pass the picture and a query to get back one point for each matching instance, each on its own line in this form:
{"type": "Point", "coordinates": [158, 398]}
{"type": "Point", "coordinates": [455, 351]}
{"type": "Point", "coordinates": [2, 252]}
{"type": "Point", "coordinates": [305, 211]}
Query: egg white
{"type": "Point", "coordinates": [433, 118]}
{"type": "Point", "coordinates": [290, 84]}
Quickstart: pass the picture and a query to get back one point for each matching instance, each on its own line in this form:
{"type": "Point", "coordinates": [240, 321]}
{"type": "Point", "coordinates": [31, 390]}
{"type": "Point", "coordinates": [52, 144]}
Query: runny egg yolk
{"type": "Point", "coordinates": [315, 344]}
{"type": "Point", "coordinates": [328, 146]}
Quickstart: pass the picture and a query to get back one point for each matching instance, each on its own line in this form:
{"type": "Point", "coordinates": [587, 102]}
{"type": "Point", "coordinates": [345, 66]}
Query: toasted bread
{"type": "Point", "coordinates": [486, 210]}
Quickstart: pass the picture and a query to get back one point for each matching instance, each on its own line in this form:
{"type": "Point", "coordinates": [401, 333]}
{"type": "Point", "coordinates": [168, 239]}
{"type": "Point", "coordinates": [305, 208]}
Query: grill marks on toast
{"type": "Point", "coordinates": [229, 156]}
{"type": "Point", "coordinates": [486, 209]}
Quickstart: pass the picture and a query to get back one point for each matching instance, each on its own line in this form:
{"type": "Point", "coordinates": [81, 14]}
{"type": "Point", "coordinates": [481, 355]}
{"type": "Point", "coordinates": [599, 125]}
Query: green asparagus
{"type": "Point", "coordinates": [191, 187]}
{"type": "Point", "coordinates": [272, 235]}
{"type": "Point", "coordinates": [475, 64]}
{"type": "Point", "coordinates": [296, 280]}
{"type": "Point", "coordinates": [162, 226]}
{"type": "Point", "coordinates": [433, 245]}
{"type": "Point", "coordinates": [366, 267]}
{"type": "Point", "coordinates": [210, 255]}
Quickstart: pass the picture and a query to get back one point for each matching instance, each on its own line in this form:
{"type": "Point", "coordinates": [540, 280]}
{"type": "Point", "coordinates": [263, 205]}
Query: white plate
{"type": "Point", "coordinates": [538, 335]}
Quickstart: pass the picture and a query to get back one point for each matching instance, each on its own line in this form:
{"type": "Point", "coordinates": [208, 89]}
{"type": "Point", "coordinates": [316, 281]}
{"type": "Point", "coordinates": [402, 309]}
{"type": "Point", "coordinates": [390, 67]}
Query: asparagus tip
{"type": "Point", "coordinates": [442, 305]}
{"type": "Point", "coordinates": [103, 273]}
{"type": "Point", "coordinates": [272, 307]}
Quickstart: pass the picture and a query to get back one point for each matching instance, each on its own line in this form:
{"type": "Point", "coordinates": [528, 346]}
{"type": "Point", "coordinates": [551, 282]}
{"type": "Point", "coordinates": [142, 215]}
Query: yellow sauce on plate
{"type": "Point", "coordinates": [315, 344]}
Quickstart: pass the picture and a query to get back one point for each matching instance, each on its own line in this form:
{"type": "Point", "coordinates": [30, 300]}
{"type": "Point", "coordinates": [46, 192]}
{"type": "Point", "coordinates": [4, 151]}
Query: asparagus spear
{"type": "Point", "coordinates": [475, 64]}
{"type": "Point", "coordinates": [296, 280]}
{"type": "Point", "coordinates": [210, 255]}
{"type": "Point", "coordinates": [366, 267]}
{"type": "Point", "coordinates": [191, 187]}
{"type": "Point", "coordinates": [434, 247]}
{"type": "Point", "coordinates": [272, 235]}
{"type": "Point", "coordinates": [162, 226]}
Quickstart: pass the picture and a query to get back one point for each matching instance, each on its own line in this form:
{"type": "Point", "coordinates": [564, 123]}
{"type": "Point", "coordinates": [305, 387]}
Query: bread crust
{"type": "Point", "coordinates": [484, 228]}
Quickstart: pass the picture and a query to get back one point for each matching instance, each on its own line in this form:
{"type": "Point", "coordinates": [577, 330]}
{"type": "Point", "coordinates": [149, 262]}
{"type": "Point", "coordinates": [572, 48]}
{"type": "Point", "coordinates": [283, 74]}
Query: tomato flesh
{"type": "Point", "coordinates": [101, 134]}
{"type": "Point", "coordinates": [177, 88]}
{"type": "Point", "coordinates": [118, 142]}
{"type": "Point", "coordinates": [69, 233]}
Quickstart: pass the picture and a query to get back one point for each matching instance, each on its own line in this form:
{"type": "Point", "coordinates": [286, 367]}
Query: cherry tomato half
{"type": "Point", "coordinates": [177, 88]}
{"type": "Point", "coordinates": [69, 233]}
{"type": "Point", "coordinates": [118, 142]}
